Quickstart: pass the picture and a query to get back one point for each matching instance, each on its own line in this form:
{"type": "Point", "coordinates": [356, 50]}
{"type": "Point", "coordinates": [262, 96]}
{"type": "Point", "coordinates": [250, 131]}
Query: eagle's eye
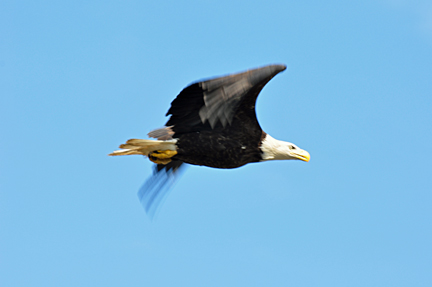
{"type": "Point", "coordinates": [292, 147]}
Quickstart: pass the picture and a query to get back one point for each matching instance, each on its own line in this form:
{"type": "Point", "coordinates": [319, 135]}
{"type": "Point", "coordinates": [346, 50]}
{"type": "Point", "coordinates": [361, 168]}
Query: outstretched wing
{"type": "Point", "coordinates": [157, 186]}
{"type": "Point", "coordinates": [213, 103]}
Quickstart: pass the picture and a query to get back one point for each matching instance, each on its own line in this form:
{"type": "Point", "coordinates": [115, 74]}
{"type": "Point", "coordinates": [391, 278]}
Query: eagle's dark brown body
{"type": "Point", "coordinates": [221, 151]}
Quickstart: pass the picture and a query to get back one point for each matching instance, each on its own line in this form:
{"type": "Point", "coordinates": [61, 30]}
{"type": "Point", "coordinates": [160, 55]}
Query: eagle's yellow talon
{"type": "Point", "coordinates": [160, 161]}
{"type": "Point", "coordinates": [161, 156]}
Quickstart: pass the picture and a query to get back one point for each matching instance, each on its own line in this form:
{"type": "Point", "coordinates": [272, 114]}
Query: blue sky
{"type": "Point", "coordinates": [79, 78]}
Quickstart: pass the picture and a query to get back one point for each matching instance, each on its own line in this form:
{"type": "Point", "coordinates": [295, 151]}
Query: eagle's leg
{"type": "Point", "coordinates": [161, 156]}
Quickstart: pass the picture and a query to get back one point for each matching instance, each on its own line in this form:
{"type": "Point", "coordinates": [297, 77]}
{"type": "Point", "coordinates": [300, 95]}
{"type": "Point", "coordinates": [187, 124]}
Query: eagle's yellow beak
{"type": "Point", "coordinates": [302, 155]}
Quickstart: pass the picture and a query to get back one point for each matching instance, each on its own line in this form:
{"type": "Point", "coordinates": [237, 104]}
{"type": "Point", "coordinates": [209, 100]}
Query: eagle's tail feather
{"type": "Point", "coordinates": [144, 147]}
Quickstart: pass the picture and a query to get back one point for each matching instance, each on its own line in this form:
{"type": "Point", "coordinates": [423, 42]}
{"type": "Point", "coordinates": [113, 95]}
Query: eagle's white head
{"type": "Point", "coordinates": [274, 149]}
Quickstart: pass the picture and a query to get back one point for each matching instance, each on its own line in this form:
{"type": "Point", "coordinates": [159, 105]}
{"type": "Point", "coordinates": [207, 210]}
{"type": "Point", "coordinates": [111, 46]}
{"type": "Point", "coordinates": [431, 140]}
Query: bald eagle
{"type": "Point", "coordinates": [213, 123]}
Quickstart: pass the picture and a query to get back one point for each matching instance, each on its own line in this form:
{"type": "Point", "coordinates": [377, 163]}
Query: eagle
{"type": "Point", "coordinates": [212, 123]}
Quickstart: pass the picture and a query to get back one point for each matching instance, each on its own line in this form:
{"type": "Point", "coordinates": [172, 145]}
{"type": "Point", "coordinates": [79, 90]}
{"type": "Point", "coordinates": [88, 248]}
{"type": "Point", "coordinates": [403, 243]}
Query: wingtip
{"type": "Point", "coordinates": [278, 67]}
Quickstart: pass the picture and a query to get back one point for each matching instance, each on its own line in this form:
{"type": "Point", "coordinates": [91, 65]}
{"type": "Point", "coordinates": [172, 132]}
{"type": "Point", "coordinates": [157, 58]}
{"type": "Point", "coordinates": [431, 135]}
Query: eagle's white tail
{"type": "Point", "coordinates": [144, 147]}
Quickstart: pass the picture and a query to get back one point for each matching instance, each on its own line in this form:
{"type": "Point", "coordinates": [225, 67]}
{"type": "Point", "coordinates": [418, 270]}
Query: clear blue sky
{"type": "Point", "coordinates": [79, 78]}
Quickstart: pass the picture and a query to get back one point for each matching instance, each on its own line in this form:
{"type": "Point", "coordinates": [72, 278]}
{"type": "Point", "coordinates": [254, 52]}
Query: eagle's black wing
{"type": "Point", "coordinates": [214, 103]}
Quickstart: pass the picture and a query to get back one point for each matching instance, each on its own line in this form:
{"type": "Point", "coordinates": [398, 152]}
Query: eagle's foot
{"type": "Point", "coordinates": [161, 156]}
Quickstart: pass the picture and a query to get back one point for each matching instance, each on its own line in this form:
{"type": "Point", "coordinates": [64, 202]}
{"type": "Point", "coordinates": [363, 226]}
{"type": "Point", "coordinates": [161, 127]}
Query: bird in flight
{"type": "Point", "coordinates": [212, 123]}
